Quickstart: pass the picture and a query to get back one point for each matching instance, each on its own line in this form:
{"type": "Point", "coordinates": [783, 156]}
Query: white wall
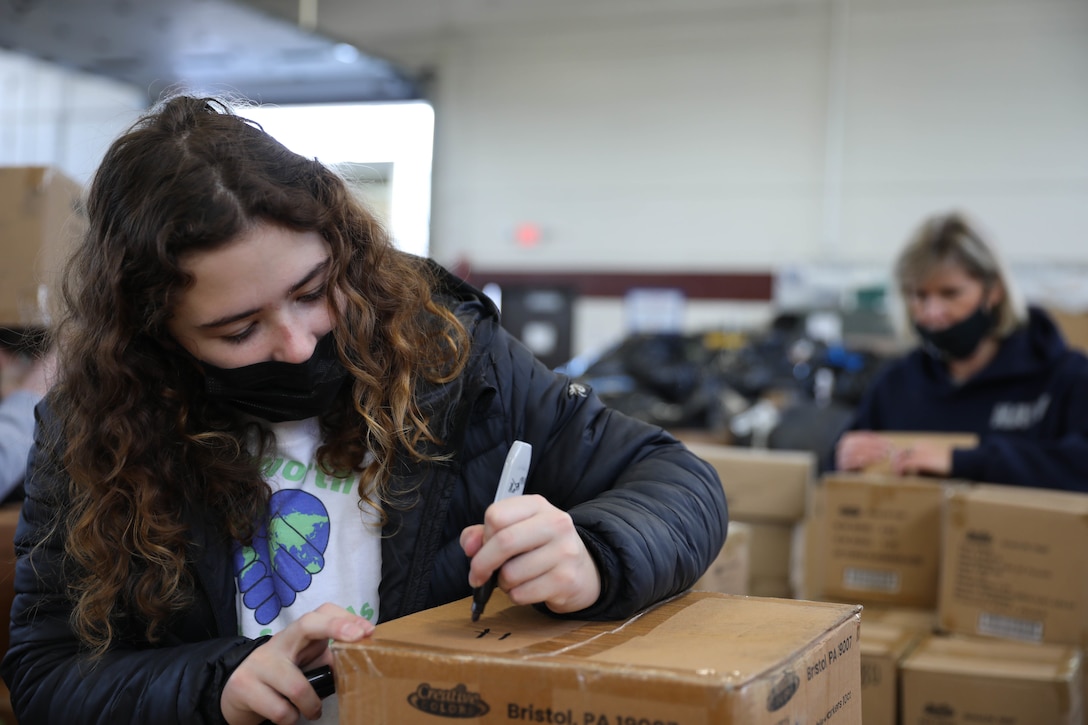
{"type": "Point", "coordinates": [53, 116]}
{"type": "Point", "coordinates": [733, 138]}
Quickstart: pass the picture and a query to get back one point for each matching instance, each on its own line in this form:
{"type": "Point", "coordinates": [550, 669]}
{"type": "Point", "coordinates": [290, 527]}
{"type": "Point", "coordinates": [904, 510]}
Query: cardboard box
{"type": "Point", "coordinates": [1014, 564]}
{"type": "Point", "coordinates": [807, 559]}
{"type": "Point", "coordinates": [698, 659]}
{"type": "Point", "coordinates": [913, 619]}
{"type": "Point", "coordinates": [882, 648]}
{"type": "Point", "coordinates": [953, 680]}
{"type": "Point", "coordinates": [702, 435]}
{"type": "Point", "coordinates": [9, 519]}
{"type": "Point", "coordinates": [729, 572]}
{"type": "Point", "coordinates": [761, 485]}
{"type": "Point", "coordinates": [770, 550]}
{"type": "Point", "coordinates": [878, 537]}
{"type": "Point", "coordinates": [906, 439]}
{"type": "Point", "coordinates": [1073, 325]}
{"type": "Point", "coordinates": [39, 222]}
{"type": "Point", "coordinates": [770, 587]}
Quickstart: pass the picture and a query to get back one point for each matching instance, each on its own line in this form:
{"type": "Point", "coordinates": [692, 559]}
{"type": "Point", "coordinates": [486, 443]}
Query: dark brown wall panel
{"type": "Point", "coordinates": [753, 286]}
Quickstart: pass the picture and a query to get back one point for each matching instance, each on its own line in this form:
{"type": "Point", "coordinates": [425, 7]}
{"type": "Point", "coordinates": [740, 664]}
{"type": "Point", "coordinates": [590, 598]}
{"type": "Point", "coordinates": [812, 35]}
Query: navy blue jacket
{"type": "Point", "coordinates": [651, 514]}
{"type": "Point", "coordinates": [1029, 407]}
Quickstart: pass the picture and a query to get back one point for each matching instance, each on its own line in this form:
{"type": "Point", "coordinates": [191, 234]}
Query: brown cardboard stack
{"type": "Point", "coordinates": [728, 573]}
{"type": "Point", "coordinates": [1073, 325]}
{"type": "Point", "coordinates": [1014, 564]}
{"type": "Point", "coordinates": [985, 565]}
{"type": "Point", "coordinates": [766, 490]}
{"type": "Point", "coordinates": [912, 619]}
{"type": "Point", "coordinates": [955, 679]}
{"type": "Point", "coordinates": [878, 547]}
{"type": "Point", "coordinates": [883, 646]}
{"type": "Point", "coordinates": [9, 519]}
{"type": "Point", "coordinates": [39, 220]}
{"type": "Point", "coordinates": [888, 633]}
{"type": "Point", "coordinates": [696, 659]}
{"type": "Point", "coordinates": [875, 539]}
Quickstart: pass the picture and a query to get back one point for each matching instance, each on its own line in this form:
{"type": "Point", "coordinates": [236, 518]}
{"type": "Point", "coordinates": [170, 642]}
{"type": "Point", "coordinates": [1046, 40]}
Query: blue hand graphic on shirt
{"type": "Point", "coordinates": [285, 555]}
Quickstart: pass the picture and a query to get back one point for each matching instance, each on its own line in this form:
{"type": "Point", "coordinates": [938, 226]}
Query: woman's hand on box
{"type": "Point", "coordinates": [926, 458]}
{"type": "Point", "coordinates": [860, 449]}
{"type": "Point", "coordinates": [538, 553]}
{"type": "Point", "coordinates": [270, 685]}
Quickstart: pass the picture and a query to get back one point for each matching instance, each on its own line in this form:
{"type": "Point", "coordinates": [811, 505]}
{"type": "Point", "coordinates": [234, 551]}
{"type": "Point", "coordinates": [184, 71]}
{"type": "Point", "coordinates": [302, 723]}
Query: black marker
{"type": "Point", "coordinates": [321, 679]}
{"type": "Point", "coordinates": [512, 482]}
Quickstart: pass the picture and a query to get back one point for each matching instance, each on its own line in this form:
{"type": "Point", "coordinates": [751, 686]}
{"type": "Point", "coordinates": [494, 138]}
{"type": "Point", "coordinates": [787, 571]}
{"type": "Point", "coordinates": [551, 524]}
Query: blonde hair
{"type": "Point", "coordinates": [949, 239]}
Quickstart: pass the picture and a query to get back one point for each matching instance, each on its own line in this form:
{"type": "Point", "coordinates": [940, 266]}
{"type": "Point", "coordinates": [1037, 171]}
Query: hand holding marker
{"type": "Point", "coordinates": [512, 482]}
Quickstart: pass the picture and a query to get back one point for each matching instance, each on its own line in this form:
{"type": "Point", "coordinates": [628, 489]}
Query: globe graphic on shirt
{"type": "Point", "coordinates": [286, 553]}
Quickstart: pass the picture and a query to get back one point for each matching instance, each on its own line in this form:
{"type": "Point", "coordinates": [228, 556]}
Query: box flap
{"type": "Point", "coordinates": [671, 636]}
{"type": "Point", "coordinates": [952, 654]}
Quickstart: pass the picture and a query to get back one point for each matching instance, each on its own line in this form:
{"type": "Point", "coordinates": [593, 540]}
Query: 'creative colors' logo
{"type": "Point", "coordinates": [783, 690]}
{"type": "Point", "coordinates": [457, 702]}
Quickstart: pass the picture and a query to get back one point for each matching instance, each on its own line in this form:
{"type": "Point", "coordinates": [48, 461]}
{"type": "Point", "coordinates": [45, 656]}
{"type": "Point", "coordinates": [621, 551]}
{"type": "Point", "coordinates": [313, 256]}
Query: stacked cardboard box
{"type": "Point", "coordinates": [728, 573]}
{"type": "Point", "coordinates": [874, 539]}
{"type": "Point", "coordinates": [996, 567]}
{"type": "Point", "coordinates": [953, 679]}
{"type": "Point", "coordinates": [888, 634]}
{"type": "Point", "coordinates": [39, 221]}
{"type": "Point", "coordinates": [871, 536]}
{"type": "Point", "coordinates": [1014, 564]}
{"type": "Point", "coordinates": [9, 519]}
{"type": "Point", "coordinates": [883, 646]}
{"type": "Point", "coordinates": [1073, 325]}
{"type": "Point", "coordinates": [766, 490]}
{"type": "Point", "coordinates": [696, 659]}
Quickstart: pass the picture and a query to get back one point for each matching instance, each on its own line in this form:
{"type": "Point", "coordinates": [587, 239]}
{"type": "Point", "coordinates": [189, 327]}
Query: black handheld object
{"type": "Point", "coordinates": [480, 595]}
{"type": "Point", "coordinates": [321, 679]}
{"type": "Point", "coordinates": [323, 682]}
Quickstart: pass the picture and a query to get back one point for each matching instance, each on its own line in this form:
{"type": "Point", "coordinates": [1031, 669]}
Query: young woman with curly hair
{"type": "Point", "coordinates": [271, 429]}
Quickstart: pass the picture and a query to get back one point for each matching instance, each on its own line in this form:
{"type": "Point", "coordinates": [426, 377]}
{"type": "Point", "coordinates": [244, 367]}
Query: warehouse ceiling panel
{"type": "Point", "coordinates": [214, 46]}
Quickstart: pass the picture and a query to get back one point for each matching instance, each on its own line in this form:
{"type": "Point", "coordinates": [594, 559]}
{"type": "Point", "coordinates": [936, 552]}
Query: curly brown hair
{"type": "Point", "coordinates": [142, 441]}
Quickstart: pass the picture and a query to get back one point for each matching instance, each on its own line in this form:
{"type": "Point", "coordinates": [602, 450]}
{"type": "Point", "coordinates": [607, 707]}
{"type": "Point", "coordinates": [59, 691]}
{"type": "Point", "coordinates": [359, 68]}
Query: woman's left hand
{"type": "Point", "coordinates": [925, 458]}
{"type": "Point", "coordinates": [538, 552]}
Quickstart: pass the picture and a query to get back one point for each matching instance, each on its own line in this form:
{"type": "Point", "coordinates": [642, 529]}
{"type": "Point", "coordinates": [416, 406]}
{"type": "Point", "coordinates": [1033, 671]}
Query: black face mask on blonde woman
{"type": "Point", "coordinates": [958, 341]}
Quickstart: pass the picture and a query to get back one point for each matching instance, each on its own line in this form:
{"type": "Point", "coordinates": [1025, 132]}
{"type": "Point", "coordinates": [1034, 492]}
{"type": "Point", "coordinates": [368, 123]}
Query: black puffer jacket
{"type": "Point", "coordinates": [652, 515]}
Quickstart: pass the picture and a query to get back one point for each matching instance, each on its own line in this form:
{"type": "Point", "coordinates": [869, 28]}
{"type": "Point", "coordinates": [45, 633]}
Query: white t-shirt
{"type": "Point", "coordinates": [318, 545]}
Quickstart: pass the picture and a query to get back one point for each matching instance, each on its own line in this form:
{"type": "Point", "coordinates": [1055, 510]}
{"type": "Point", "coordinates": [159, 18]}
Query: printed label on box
{"type": "Point", "coordinates": [987, 566]}
{"type": "Point", "coordinates": [610, 710]}
{"type": "Point", "coordinates": [871, 579]}
{"type": "Point", "coordinates": [997, 625]}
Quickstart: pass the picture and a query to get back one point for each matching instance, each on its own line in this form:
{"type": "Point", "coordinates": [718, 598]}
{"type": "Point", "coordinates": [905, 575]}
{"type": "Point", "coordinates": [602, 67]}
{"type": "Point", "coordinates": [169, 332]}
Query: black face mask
{"type": "Point", "coordinates": [279, 391]}
{"type": "Point", "coordinates": [958, 341]}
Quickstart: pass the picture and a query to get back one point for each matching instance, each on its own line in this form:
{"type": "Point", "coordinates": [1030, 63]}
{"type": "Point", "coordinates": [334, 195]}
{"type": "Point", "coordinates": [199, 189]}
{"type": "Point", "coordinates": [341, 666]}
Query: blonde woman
{"type": "Point", "coordinates": [985, 365]}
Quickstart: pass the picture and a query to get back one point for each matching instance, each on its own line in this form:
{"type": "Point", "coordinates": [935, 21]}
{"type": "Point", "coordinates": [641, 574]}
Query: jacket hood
{"type": "Point", "coordinates": [445, 403]}
{"type": "Point", "coordinates": [462, 297]}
